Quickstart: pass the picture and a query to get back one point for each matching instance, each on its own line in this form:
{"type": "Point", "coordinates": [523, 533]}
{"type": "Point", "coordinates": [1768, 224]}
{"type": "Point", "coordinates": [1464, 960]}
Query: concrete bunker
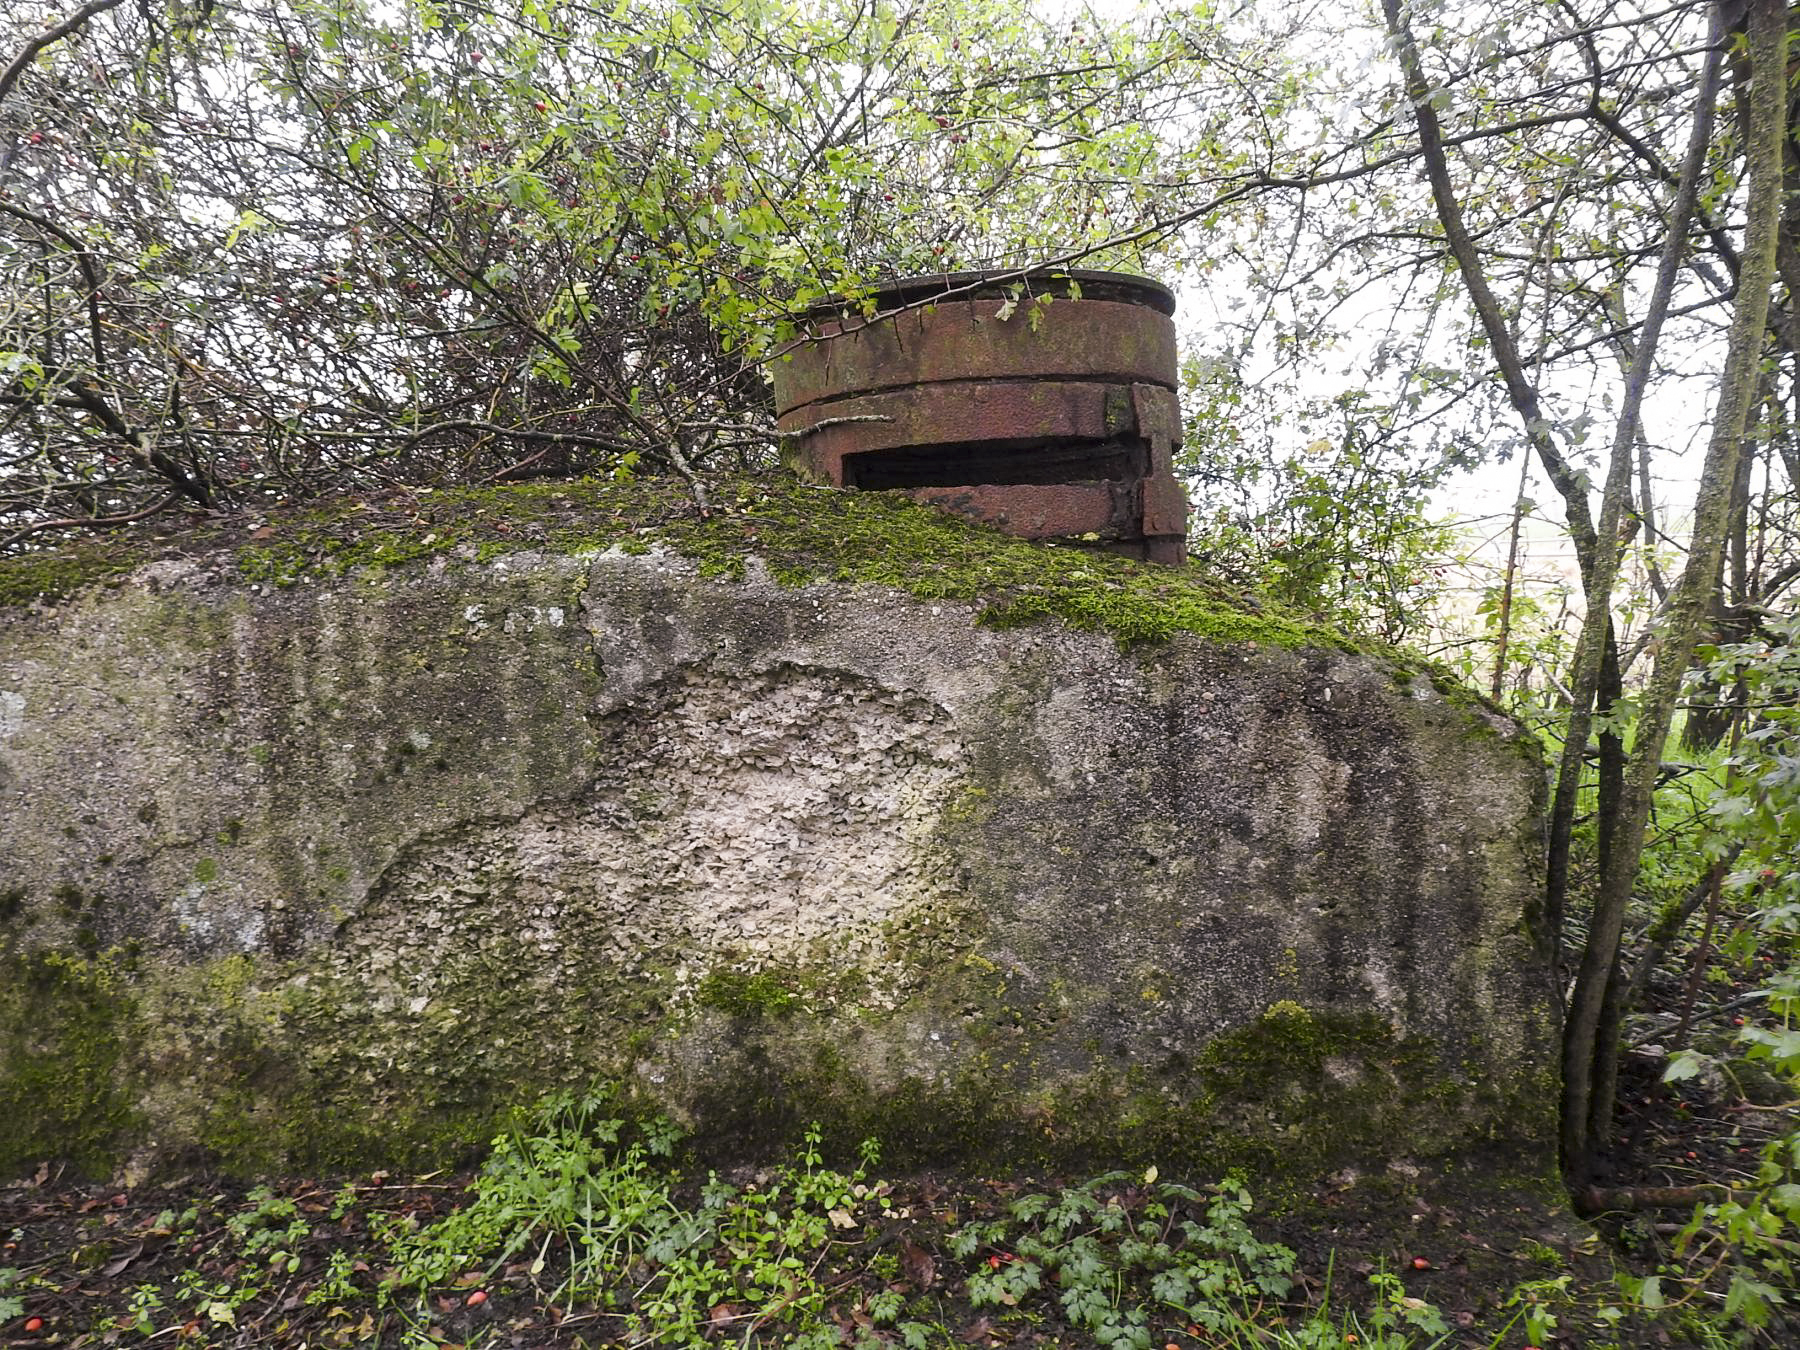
{"type": "Point", "coordinates": [337, 871]}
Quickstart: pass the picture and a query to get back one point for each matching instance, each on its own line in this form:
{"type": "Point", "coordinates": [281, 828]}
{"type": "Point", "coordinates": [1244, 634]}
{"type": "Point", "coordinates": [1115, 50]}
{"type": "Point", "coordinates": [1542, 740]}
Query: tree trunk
{"type": "Point", "coordinates": [1587, 1097]}
{"type": "Point", "coordinates": [1596, 547]}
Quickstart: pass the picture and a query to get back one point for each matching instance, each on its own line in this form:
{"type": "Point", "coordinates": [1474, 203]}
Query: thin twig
{"type": "Point", "coordinates": [838, 422]}
{"type": "Point", "coordinates": [86, 522]}
{"type": "Point", "coordinates": [29, 52]}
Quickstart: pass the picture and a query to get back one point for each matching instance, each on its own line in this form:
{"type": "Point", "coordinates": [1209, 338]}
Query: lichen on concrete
{"type": "Point", "coordinates": [333, 844]}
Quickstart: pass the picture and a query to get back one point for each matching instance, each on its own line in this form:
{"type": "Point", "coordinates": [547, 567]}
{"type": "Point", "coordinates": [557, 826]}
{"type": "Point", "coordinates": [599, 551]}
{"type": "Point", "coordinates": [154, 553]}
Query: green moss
{"type": "Point", "coordinates": [761, 994]}
{"type": "Point", "coordinates": [1287, 1012]}
{"type": "Point", "coordinates": [809, 534]}
{"type": "Point", "coordinates": [206, 871]}
{"type": "Point", "coordinates": [65, 1024]}
{"type": "Point", "coordinates": [242, 1068]}
{"type": "Point", "coordinates": [48, 576]}
{"type": "Point", "coordinates": [320, 1073]}
{"type": "Point", "coordinates": [257, 1072]}
{"type": "Point", "coordinates": [801, 533]}
{"type": "Point", "coordinates": [256, 1134]}
{"type": "Point", "coordinates": [1288, 1098]}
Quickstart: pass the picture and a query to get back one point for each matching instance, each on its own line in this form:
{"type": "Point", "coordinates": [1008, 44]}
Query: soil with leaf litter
{"type": "Point", "coordinates": [802, 1254]}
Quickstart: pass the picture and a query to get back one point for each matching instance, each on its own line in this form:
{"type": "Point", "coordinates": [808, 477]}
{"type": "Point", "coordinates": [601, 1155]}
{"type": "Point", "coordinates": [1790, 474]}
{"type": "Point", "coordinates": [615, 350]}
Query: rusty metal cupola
{"type": "Point", "coordinates": [1050, 413]}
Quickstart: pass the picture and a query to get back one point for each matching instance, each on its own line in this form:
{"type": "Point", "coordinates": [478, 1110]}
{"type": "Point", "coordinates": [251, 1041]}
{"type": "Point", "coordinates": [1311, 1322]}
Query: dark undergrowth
{"type": "Point", "coordinates": [578, 1231]}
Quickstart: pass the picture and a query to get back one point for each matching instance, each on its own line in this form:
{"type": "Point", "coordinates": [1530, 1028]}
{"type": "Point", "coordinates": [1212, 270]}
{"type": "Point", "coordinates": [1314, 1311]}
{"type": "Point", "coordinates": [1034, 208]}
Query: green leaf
{"type": "Point", "coordinates": [1685, 1064]}
{"type": "Point", "coordinates": [248, 222]}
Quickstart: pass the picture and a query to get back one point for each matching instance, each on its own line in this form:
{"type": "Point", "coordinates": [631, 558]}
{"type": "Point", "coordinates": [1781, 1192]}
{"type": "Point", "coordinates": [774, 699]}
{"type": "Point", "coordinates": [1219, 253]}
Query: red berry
{"type": "Point", "coordinates": [1420, 1263]}
{"type": "Point", "coordinates": [476, 1299]}
{"type": "Point", "coordinates": [34, 1324]}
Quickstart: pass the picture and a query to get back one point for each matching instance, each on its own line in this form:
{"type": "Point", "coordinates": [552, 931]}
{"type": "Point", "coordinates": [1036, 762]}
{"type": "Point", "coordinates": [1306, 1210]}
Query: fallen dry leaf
{"type": "Point", "coordinates": [918, 1267]}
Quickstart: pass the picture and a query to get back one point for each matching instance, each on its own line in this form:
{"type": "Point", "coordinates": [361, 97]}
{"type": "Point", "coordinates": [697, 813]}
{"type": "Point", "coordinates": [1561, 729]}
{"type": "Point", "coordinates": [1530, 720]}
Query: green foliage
{"type": "Point", "coordinates": [11, 1305]}
{"type": "Point", "coordinates": [579, 1222]}
{"type": "Point", "coordinates": [145, 1302]}
{"type": "Point", "coordinates": [567, 1193]}
{"type": "Point", "coordinates": [1135, 1262]}
{"type": "Point", "coordinates": [1745, 1243]}
{"type": "Point", "coordinates": [353, 244]}
{"type": "Point", "coordinates": [268, 1229]}
{"type": "Point", "coordinates": [1121, 1258]}
{"type": "Point", "coordinates": [1340, 529]}
{"type": "Point", "coordinates": [1538, 640]}
{"type": "Point", "coordinates": [1125, 1260]}
{"type": "Point", "coordinates": [1535, 1300]}
{"type": "Point", "coordinates": [1761, 803]}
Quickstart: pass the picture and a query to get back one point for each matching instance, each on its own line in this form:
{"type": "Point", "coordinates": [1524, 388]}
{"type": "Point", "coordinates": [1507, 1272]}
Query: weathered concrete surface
{"type": "Point", "coordinates": [338, 872]}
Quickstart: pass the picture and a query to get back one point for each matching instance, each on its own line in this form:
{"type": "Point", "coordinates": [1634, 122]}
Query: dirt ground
{"type": "Point", "coordinates": [107, 1265]}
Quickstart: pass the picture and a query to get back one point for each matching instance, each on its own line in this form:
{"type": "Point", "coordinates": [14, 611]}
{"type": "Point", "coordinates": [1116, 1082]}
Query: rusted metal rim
{"type": "Point", "coordinates": [1123, 287]}
{"type": "Point", "coordinates": [962, 326]}
{"type": "Point", "coordinates": [1059, 423]}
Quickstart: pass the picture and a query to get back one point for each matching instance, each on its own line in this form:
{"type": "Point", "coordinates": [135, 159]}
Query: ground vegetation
{"type": "Point", "coordinates": [582, 1229]}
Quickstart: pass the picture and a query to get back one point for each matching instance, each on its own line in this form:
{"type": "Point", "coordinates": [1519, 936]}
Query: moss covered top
{"type": "Point", "coordinates": [802, 533]}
